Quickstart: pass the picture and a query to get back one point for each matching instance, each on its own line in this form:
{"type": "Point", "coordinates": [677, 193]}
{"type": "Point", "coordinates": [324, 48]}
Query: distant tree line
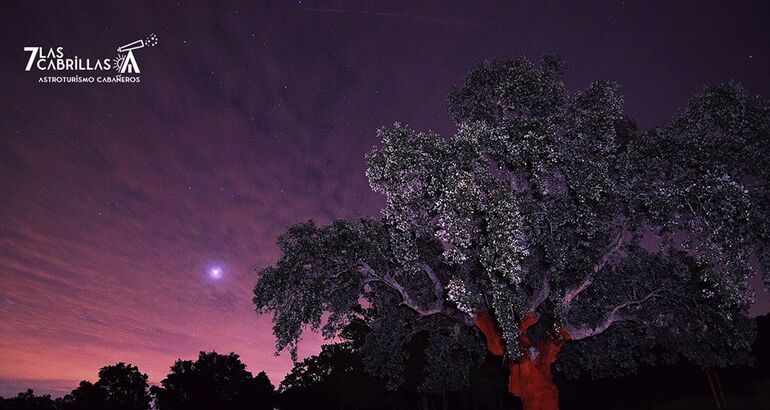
{"type": "Point", "coordinates": [213, 381]}
{"type": "Point", "coordinates": [336, 378]}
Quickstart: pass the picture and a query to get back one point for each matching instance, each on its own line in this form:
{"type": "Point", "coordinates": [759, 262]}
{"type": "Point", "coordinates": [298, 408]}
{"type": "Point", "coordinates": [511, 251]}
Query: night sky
{"type": "Point", "coordinates": [117, 202]}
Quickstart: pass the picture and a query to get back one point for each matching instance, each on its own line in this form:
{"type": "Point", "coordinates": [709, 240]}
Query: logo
{"type": "Point", "coordinates": [54, 60]}
{"type": "Point", "coordinates": [126, 63]}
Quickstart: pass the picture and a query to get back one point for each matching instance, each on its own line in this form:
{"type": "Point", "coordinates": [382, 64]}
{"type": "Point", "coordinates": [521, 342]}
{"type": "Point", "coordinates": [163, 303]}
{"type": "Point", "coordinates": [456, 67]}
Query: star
{"type": "Point", "coordinates": [215, 272]}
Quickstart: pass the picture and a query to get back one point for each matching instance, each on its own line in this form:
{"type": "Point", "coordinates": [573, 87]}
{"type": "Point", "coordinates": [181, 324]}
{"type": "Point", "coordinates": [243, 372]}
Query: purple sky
{"type": "Point", "coordinates": [117, 200]}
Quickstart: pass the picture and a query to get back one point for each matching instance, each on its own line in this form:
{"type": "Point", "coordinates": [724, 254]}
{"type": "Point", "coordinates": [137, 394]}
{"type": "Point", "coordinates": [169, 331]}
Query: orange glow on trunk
{"type": "Point", "coordinates": [530, 378]}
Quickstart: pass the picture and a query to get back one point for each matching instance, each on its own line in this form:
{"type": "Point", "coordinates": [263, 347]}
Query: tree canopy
{"type": "Point", "coordinates": [632, 246]}
{"type": "Point", "coordinates": [27, 400]}
{"type": "Point", "coordinates": [120, 387]}
{"type": "Point", "coordinates": [546, 218]}
{"type": "Point", "coordinates": [214, 381]}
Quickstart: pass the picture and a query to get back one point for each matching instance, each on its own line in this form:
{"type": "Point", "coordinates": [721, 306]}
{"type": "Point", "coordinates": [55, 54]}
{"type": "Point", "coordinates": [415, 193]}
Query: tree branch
{"type": "Point", "coordinates": [614, 316]}
{"type": "Point", "coordinates": [610, 252]}
{"type": "Point", "coordinates": [616, 244]}
{"type": "Point", "coordinates": [407, 300]}
{"type": "Point", "coordinates": [540, 295]}
{"type": "Point", "coordinates": [438, 288]}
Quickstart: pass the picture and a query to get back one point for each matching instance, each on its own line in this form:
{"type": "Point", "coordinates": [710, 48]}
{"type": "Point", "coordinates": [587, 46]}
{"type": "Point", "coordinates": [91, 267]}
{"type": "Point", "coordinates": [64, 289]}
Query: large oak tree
{"type": "Point", "coordinates": [546, 230]}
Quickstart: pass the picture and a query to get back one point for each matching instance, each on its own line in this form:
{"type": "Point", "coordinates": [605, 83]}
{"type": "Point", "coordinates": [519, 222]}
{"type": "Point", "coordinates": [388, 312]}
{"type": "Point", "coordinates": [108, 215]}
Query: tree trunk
{"type": "Point", "coordinates": [530, 377]}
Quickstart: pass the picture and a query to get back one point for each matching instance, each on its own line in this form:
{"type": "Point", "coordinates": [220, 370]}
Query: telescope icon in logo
{"type": "Point", "coordinates": [126, 62]}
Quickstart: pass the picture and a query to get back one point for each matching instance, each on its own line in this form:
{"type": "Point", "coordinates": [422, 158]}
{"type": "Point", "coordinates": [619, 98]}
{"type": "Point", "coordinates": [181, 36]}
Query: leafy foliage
{"type": "Point", "coordinates": [336, 378]}
{"type": "Point", "coordinates": [213, 381]}
{"type": "Point", "coordinates": [119, 387]}
{"type": "Point", "coordinates": [640, 245]}
{"type": "Point", "coordinates": [333, 379]}
{"type": "Point", "coordinates": [27, 400]}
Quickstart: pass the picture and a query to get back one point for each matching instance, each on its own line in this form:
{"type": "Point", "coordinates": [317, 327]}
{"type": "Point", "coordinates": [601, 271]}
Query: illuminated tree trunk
{"type": "Point", "coordinates": [530, 377]}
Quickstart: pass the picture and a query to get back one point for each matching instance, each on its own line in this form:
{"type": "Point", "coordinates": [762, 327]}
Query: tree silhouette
{"type": "Point", "coordinates": [28, 401]}
{"type": "Point", "coordinates": [119, 387]}
{"type": "Point", "coordinates": [85, 396]}
{"type": "Point", "coordinates": [213, 381]}
{"type": "Point", "coordinates": [546, 221]}
{"type": "Point", "coordinates": [333, 379]}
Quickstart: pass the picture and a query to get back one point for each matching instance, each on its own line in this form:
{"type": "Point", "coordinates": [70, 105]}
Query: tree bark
{"type": "Point", "coordinates": [530, 377]}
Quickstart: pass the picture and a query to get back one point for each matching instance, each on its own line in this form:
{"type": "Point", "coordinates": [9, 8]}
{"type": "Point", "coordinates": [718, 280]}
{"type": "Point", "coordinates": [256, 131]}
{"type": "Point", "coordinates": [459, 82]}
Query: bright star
{"type": "Point", "coordinates": [215, 272]}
